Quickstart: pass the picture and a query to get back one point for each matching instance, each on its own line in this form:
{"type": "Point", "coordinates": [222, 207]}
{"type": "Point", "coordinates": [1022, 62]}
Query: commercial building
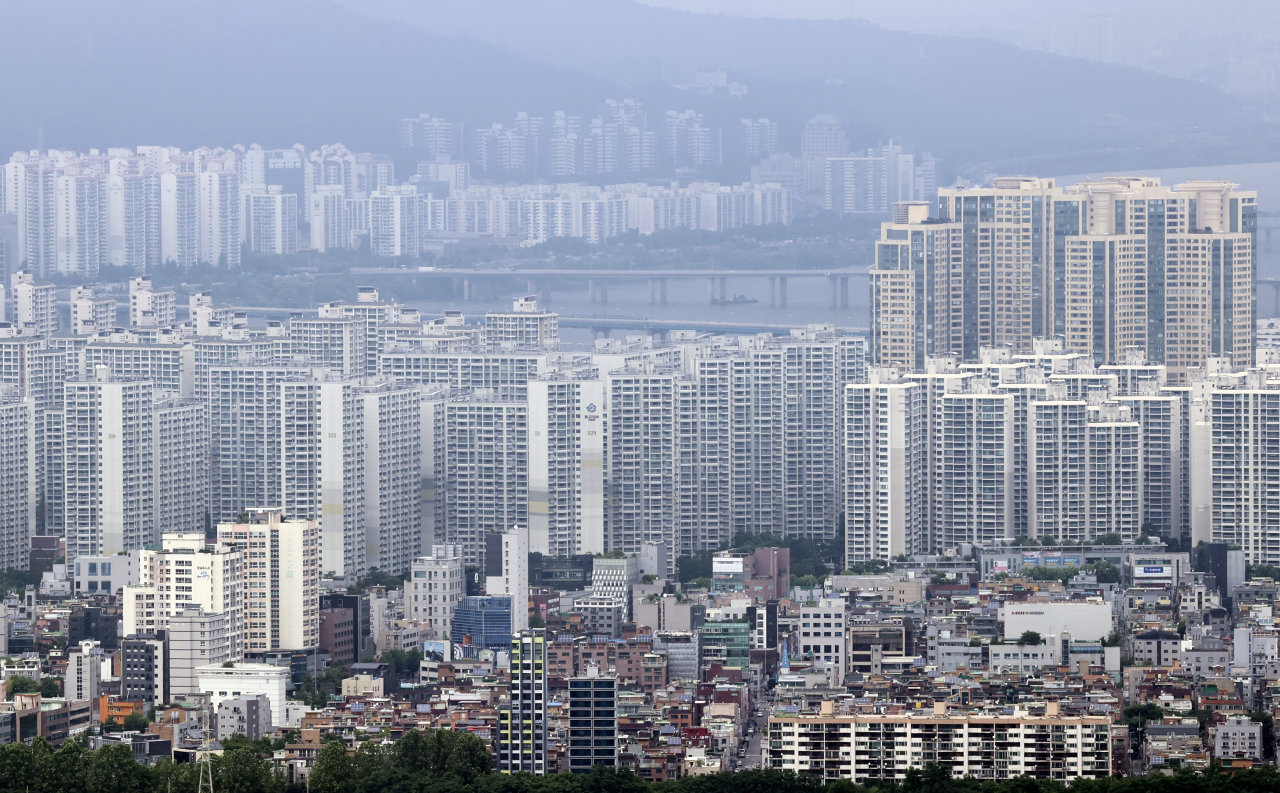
{"type": "Point", "coordinates": [482, 623]}
{"type": "Point", "coordinates": [1084, 620]}
{"type": "Point", "coordinates": [246, 680]}
{"type": "Point", "coordinates": [436, 586]}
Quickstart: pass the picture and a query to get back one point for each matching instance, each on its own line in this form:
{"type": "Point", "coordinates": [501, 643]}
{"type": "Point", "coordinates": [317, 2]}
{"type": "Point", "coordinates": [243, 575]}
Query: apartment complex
{"type": "Point", "coordinates": [872, 749]}
{"type": "Point", "coordinates": [1109, 267]}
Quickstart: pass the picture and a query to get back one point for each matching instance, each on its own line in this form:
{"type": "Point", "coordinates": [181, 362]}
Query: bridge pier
{"type": "Point", "coordinates": [1276, 289]}
{"type": "Point", "coordinates": [844, 291]}
{"type": "Point", "coordinates": [711, 291]}
{"type": "Point", "coordinates": [530, 289]}
{"type": "Point", "coordinates": [724, 294]}
{"type": "Point", "coordinates": [782, 291]}
{"type": "Point", "coordinates": [662, 291]}
{"type": "Point", "coordinates": [835, 290]}
{"type": "Point", "coordinates": [466, 289]}
{"type": "Point", "coordinates": [599, 333]}
{"type": "Point", "coordinates": [773, 291]}
{"type": "Point", "coordinates": [653, 292]}
{"type": "Point", "coordinates": [591, 290]}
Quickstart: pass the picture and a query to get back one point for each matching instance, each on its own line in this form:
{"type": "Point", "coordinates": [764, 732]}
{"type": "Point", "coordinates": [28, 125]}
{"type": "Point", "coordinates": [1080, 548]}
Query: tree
{"type": "Point", "coordinates": [136, 722]}
{"type": "Point", "coordinates": [21, 685]}
{"type": "Point", "coordinates": [1110, 538]}
{"type": "Point", "coordinates": [536, 621]}
{"type": "Point", "coordinates": [369, 760]}
{"type": "Point", "coordinates": [1105, 571]}
{"type": "Point", "coordinates": [17, 767]}
{"type": "Point", "coordinates": [1028, 638]}
{"type": "Point", "coordinates": [50, 688]}
{"type": "Point", "coordinates": [242, 770]}
{"type": "Point", "coordinates": [332, 772]}
{"type": "Point", "coordinates": [112, 769]}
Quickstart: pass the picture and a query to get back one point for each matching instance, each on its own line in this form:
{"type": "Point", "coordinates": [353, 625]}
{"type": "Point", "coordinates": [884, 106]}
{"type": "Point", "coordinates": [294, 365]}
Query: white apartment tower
{"type": "Point", "coordinates": [110, 465]}
{"type": "Point", "coordinates": [19, 473]}
{"type": "Point", "coordinates": [133, 215]}
{"type": "Point", "coordinates": [640, 463]}
{"type": "Point", "coordinates": [149, 307]}
{"type": "Point", "coordinates": [35, 306]}
{"type": "Point", "coordinates": [1234, 472]}
{"type": "Point", "coordinates": [90, 314]}
{"type": "Point", "coordinates": [322, 472]}
{"type": "Point", "coordinates": [886, 468]}
{"type": "Point", "coordinates": [393, 221]}
{"type": "Point", "coordinates": [392, 460]}
{"type": "Point", "coordinates": [482, 472]}
{"type": "Point", "coordinates": [329, 227]}
{"type": "Point", "coordinates": [514, 580]}
{"type": "Point", "coordinates": [569, 423]}
{"type": "Point", "coordinates": [271, 221]}
{"type": "Point", "coordinates": [1084, 471]}
{"type": "Point", "coordinates": [218, 218]}
{"type": "Point", "coordinates": [185, 574]}
{"type": "Point", "coordinates": [81, 224]}
{"type": "Point", "coordinates": [179, 218]}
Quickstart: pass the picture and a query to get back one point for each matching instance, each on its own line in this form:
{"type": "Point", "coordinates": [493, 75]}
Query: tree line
{"type": "Point", "coordinates": [445, 761]}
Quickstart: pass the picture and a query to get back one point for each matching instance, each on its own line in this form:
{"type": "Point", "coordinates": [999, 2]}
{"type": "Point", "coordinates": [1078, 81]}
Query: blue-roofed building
{"type": "Point", "coordinates": [483, 622]}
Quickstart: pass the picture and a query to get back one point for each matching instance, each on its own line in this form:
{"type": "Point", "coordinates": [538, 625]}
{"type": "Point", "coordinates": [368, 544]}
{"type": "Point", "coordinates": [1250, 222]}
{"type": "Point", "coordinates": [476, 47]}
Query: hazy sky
{"type": "Point", "coordinates": [1234, 47]}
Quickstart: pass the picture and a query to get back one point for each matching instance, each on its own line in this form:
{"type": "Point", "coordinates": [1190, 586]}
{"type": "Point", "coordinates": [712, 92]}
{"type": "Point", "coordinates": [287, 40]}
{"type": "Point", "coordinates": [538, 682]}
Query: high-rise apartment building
{"type": "Point", "coordinates": [512, 573]}
{"type": "Point", "coordinates": [886, 468]}
{"type": "Point", "coordinates": [281, 593]}
{"type": "Point", "coordinates": [35, 306]}
{"type": "Point", "coordinates": [133, 215]}
{"type": "Point", "coordinates": [184, 574]}
{"type": "Point", "coordinates": [568, 422]}
{"type": "Point", "coordinates": [522, 722]}
{"type": "Point", "coordinates": [334, 343]}
{"type": "Point", "coordinates": [393, 221]}
{"type": "Point", "coordinates": [80, 224]}
{"type": "Point", "coordinates": [19, 473]}
{"type": "Point", "coordinates": [180, 217]}
{"type": "Point", "coordinates": [150, 307]}
{"type": "Point", "coordinates": [246, 415]}
{"type": "Point", "coordinates": [218, 218]}
{"type": "Point", "coordinates": [392, 460]}
{"type": "Point", "coordinates": [525, 326]}
{"type": "Point", "coordinates": [1110, 267]}
{"type": "Point", "coordinates": [269, 220]}
{"type": "Point", "coordinates": [91, 314]}
{"type": "Point", "coordinates": [110, 474]}
{"type": "Point", "coordinates": [482, 472]}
